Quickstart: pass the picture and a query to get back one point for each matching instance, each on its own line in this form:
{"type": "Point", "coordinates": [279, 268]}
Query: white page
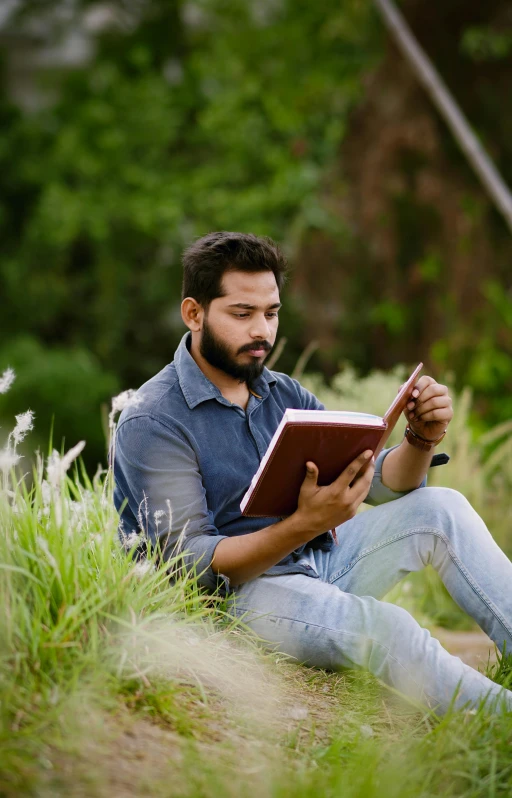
{"type": "Point", "coordinates": [333, 416]}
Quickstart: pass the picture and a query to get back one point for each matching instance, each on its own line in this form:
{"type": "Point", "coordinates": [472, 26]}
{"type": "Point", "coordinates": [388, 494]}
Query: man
{"type": "Point", "coordinates": [186, 451]}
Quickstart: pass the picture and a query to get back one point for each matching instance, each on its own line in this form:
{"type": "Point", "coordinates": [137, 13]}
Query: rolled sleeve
{"type": "Point", "coordinates": [158, 481]}
{"type": "Point", "coordinates": [380, 493]}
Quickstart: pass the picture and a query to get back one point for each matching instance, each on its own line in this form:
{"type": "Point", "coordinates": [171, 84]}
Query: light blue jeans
{"type": "Point", "coordinates": [339, 621]}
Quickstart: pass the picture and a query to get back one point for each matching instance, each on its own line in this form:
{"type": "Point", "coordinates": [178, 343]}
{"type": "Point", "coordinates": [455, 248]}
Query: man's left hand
{"type": "Point", "coordinates": [429, 410]}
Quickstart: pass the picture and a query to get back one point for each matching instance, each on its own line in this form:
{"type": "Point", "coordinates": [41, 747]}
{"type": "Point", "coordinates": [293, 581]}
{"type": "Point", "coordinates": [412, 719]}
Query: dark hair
{"type": "Point", "coordinates": [207, 260]}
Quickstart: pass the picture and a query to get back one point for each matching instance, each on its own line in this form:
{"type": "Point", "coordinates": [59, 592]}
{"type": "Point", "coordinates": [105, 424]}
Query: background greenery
{"type": "Point", "coordinates": [129, 129]}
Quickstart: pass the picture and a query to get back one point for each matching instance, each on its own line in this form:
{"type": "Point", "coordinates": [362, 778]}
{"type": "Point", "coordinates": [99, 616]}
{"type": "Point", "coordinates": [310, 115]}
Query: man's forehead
{"type": "Point", "coordinates": [249, 287]}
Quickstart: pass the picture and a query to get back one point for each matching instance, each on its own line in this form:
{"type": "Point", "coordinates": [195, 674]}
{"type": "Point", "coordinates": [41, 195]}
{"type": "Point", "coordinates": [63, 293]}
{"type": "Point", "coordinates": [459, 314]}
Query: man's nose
{"type": "Point", "coordinates": [260, 328]}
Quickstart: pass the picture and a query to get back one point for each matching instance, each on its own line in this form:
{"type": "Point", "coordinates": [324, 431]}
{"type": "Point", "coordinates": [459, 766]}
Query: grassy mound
{"type": "Point", "coordinates": [116, 681]}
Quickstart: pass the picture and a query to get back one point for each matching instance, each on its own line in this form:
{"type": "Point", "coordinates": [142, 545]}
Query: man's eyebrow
{"type": "Point", "coordinates": [253, 307]}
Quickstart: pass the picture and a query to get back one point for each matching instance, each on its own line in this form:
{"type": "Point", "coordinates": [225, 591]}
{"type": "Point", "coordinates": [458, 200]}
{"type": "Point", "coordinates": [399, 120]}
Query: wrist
{"type": "Point", "coordinates": [419, 442]}
{"type": "Point", "coordinates": [303, 526]}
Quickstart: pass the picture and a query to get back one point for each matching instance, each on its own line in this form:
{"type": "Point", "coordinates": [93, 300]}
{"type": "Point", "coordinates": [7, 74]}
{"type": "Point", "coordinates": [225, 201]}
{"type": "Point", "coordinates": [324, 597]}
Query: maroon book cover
{"type": "Point", "coordinates": [332, 444]}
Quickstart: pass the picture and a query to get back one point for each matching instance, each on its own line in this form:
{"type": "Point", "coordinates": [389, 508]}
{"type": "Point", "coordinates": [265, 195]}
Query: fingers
{"type": "Point", "coordinates": [352, 470]}
{"type": "Point", "coordinates": [311, 473]}
{"type": "Point", "coordinates": [437, 408]}
{"type": "Point", "coordinates": [361, 485]}
{"type": "Point", "coordinates": [423, 383]}
{"type": "Point", "coordinates": [336, 503]}
{"type": "Point", "coordinates": [442, 403]}
{"type": "Point", "coordinates": [444, 414]}
{"type": "Point", "coordinates": [428, 390]}
{"type": "Point", "coordinates": [432, 398]}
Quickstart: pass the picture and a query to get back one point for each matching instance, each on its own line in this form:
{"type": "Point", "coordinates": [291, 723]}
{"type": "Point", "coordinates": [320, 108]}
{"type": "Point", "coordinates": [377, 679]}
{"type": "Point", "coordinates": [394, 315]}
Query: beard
{"type": "Point", "coordinates": [218, 355]}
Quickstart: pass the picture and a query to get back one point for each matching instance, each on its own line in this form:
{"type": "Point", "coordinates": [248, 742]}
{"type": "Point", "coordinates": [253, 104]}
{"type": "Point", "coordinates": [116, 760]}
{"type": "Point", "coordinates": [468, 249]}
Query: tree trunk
{"type": "Point", "coordinates": [448, 108]}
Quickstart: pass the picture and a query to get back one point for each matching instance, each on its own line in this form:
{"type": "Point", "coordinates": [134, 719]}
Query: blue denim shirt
{"type": "Point", "coordinates": [185, 456]}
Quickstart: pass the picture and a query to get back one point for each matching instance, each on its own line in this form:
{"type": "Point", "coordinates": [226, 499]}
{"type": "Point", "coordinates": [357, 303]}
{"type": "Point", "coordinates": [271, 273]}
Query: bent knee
{"type": "Point", "coordinates": [445, 497]}
{"type": "Point", "coordinates": [437, 506]}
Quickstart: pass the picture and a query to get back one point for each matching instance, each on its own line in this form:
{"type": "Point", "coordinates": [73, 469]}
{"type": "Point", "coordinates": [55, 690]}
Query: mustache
{"type": "Point", "coordinates": [260, 345]}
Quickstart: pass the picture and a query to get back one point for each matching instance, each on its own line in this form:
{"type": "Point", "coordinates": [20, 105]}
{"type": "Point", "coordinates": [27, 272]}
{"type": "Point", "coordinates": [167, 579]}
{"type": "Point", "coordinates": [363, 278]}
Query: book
{"type": "Point", "coordinates": [330, 439]}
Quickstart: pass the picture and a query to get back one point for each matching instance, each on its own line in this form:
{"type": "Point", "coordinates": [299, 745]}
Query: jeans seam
{"type": "Point", "coordinates": [478, 591]}
{"type": "Point", "coordinates": [377, 546]}
{"type": "Point", "coordinates": [457, 562]}
{"type": "Point", "coordinates": [350, 634]}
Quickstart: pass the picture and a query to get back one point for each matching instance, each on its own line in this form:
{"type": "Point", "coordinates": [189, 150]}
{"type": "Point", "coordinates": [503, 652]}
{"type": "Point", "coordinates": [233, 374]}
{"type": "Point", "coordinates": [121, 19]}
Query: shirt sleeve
{"type": "Point", "coordinates": [157, 475]}
{"type": "Point", "coordinates": [308, 400]}
{"type": "Point", "coordinates": [380, 493]}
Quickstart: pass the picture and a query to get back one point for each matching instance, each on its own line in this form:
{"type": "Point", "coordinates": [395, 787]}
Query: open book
{"type": "Point", "coordinates": [331, 439]}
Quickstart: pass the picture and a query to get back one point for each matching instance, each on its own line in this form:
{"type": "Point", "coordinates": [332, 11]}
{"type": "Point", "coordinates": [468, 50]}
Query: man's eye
{"type": "Point", "coordinates": [270, 314]}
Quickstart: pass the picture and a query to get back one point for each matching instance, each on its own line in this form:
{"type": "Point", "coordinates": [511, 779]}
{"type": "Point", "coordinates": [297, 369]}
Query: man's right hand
{"type": "Point", "coordinates": [323, 508]}
{"type": "Point", "coordinates": [245, 557]}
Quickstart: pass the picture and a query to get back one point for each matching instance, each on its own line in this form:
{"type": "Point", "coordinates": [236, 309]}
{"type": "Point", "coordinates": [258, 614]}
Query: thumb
{"type": "Point", "coordinates": [311, 471]}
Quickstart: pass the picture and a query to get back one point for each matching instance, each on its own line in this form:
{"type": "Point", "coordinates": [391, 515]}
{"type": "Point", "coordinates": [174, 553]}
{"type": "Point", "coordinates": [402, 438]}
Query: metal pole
{"type": "Point", "coordinates": [448, 108]}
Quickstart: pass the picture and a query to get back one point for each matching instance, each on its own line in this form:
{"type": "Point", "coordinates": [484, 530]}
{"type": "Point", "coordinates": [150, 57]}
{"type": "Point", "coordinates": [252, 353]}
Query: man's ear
{"type": "Point", "coordinates": [192, 314]}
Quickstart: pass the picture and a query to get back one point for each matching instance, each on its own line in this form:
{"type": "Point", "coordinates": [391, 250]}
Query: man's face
{"type": "Point", "coordinates": [240, 328]}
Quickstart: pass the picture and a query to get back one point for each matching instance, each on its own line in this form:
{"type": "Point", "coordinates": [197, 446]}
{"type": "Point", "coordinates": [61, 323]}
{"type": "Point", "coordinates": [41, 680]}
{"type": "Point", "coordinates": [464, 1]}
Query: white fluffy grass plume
{"type": "Point", "coordinates": [6, 380]}
{"type": "Point", "coordinates": [186, 652]}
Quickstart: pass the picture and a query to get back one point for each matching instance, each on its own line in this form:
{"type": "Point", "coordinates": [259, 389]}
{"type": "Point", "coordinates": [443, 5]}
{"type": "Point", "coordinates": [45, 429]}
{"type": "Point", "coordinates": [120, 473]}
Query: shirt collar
{"type": "Point", "coordinates": [196, 386]}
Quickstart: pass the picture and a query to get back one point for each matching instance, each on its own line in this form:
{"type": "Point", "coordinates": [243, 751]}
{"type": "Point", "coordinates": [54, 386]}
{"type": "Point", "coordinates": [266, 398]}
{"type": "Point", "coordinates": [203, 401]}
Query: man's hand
{"type": "Point", "coordinates": [430, 409]}
{"type": "Point", "coordinates": [323, 508]}
{"type": "Point", "coordinates": [245, 557]}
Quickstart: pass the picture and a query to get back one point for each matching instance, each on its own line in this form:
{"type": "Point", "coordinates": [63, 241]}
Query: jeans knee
{"type": "Point", "coordinates": [447, 498]}
{"type": "Point", "coordinates": [444, 509]}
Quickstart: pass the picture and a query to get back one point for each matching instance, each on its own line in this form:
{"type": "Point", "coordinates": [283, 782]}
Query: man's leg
{"type": "Point", "coordinates": [322, 626]}
{"type": "Point", "coordinates": [337, 622]}
{"type": "Point", "coordinates": [435, 526]}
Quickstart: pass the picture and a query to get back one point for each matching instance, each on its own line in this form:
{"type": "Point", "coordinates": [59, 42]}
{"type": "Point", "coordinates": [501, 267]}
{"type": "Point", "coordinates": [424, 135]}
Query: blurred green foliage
{"type": "Point", "coordinates": [171, 131]}
{"type": "Point", "coordinates": [65, 387]}
{"type": "Point", "coordinates": [485, 44]}
{"type": "Point", "coordinates": [222, 114]}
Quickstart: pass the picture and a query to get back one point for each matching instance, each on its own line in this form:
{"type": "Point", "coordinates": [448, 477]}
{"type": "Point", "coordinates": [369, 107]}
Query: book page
{"type": "Point", "coordinates": [397, 406]}
{"type": "Point", "coordinates": [334, 417]}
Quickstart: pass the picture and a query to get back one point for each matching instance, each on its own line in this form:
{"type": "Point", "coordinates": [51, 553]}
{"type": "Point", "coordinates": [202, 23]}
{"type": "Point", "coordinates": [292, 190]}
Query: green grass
{"type": "Point", "coordinates": [114, 681]}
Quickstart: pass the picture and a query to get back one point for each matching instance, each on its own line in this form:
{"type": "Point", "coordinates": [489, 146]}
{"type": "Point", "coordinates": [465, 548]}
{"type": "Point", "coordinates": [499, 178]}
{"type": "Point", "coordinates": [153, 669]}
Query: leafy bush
{"type": "Point", "coordinates": [67, 381]}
